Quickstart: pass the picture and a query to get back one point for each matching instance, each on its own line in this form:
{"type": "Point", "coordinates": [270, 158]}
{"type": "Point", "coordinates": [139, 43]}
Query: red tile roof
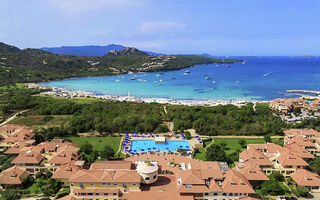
{"type": "Point", "coordinates": [13, 176]}
{"type": "Point", "coordinates": [306, 178]}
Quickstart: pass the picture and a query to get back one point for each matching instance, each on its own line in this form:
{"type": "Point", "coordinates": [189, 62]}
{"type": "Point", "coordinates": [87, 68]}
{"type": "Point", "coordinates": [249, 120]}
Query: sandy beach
{"type": "Point", "coordinates": [61, 92]}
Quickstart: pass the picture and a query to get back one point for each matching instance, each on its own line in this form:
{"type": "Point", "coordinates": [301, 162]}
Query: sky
{"type": "Point", "coordinates": [217, 27]}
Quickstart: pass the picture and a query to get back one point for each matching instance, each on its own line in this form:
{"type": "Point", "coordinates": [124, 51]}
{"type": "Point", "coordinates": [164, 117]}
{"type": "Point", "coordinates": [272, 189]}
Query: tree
{"type": "Point", "coordinates": [187, 135]}
{"type": "Point", "coordinates": [11, 194]}
{"type": "Point", "coordinates": [182, 151]}
{"type": "Point", "coordinates": [243, 143]}
{"type": "Point", "coordinates": [107, 153]}
{"type": "Point", "coordinates": [216, 152]}
{"type": "Point", "coordinates": [277, 176]}
{"type": "Point", "coordinates": [267, 138]}
{"type": "Point", "coordinates": [303, 191]}
{"type": "Point", "coordinates": [162, 128]}
{"type": "Point", "coordinates": [86, 148]}
{"type": "Point", "coordinates": [272, 187]}
{"type": "Point", "coordinates": [315, 165]}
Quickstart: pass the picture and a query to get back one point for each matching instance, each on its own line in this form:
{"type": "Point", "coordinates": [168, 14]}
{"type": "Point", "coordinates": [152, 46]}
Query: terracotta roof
{"type": "Point", "coordinates": [235, 182]}
{"type": "Point", "coordinates": [71, 197]}
{"type": "Point", "coordinates": [13, 176]}
{"type": "Point", "coordinates": [306, 178]}
{"type": "Point", "coordinates": [305, 132]}
{"type": "Point", "coordinates": [18, 147]}
{"type": "Point", "coordinates": [111, 165]}
{"type": "Point", "coordinates": [210, 169]}
{"type": "Point", "coordinates": [214, 186]}
{"type": "Point", "coordinates": [300, 141]}
{"type": "Point", "coordinates": [254, 156]}
{"type": "Point", "coordinates": [249, 198]}
{"type": "Point", "coordinates": [101, 176]}
{"type": "Point", "coordinates": [65, 171]}
{"type": "Point", "coordinates": [28, 157]}
{"type": "Point", "coordinates": [193, 189]}
{"type": "Point", "coordinates": [191, 177]}
{"type": "Point", "coordinates": [269, 147]}
{"type": "Point", "coordinates": [289, 158]}
{"type": "Point", "coordinates": [252, 173]}
{"type": "Point", "coordinates": [301, 152]}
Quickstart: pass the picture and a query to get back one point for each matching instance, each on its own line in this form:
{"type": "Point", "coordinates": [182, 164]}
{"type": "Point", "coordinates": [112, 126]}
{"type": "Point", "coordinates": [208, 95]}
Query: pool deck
{"type": "Point", "coordinates": [193, 142]}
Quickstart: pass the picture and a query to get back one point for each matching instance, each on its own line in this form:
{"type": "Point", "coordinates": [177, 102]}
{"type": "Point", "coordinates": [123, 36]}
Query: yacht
{"type": "Point", "coordinates": [186, 74]}
{"type": "Point", "coordinates": [187, 71]}
{"type": "Point", "coordinates": [117, 80]}
{"type": "Point", "coordinates": [158, 75]}
{"type": "Point", "coordinates": [207, 77]}
{"type": "Point", "coordinates": [133, 78]}
{"type": "Point", "coordinates": [213, 82]}
{"type": "Point", "coordinates": [228, 66]}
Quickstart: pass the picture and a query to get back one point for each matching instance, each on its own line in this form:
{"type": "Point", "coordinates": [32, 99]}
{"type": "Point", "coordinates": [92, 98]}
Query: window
{"type": "Point", "coordinates": [215, 194]}
{"type": "Point", "coordinates": [72, 184]}
{"type": "Point", "coordinates": [114, 194]}
{"type": "Point", "coordinates": [81, 184]}
{"type": "Point", "coordinates": [155, 176]}
{"type": "Point", "coordinates": [147, 178]}
{"type": "Point", "coordinates": [188, 186]}
{"type": "Point", "coordinates": [91, 184]}
{"type": "Point", "coordinates": [206, 194]}
{"type": "Point", "coordinates": [134, 184]}
{"type": "Point", "coordinates": [105, 194]}
{"type": "Point", "coordinates": [115, 184]}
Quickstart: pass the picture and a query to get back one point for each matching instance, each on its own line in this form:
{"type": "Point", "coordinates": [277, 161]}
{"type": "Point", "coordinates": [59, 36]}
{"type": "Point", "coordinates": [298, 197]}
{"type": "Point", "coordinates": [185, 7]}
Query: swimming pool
{"type": "Point", "coordinates": [150, 145]}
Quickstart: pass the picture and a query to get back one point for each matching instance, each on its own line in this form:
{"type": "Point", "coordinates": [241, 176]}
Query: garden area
{"type": "Point", "coordinates": [232, 146]}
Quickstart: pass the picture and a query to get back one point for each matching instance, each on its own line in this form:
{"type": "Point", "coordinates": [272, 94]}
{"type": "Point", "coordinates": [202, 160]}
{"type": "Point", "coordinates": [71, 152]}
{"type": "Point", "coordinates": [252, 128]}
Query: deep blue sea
{"type": "Point", "coordinates": [261, 78]}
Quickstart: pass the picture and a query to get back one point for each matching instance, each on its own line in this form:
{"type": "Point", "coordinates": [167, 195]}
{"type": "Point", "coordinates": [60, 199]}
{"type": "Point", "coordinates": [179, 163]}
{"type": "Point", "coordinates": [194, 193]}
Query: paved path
{"type": "Point", "coordinates": [120, 145]}
{"type": "Point", "coordinates": [12, 117]}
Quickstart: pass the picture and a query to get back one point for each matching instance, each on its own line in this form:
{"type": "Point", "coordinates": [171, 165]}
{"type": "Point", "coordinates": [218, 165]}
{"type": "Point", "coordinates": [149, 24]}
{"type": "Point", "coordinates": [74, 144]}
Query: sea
{"type": "Point", "coordinates": [259, 78]}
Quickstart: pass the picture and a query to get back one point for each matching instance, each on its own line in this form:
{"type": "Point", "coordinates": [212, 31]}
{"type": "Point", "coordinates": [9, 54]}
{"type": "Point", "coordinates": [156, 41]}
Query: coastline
{"type": "Point", "coordinates": [64, 93]}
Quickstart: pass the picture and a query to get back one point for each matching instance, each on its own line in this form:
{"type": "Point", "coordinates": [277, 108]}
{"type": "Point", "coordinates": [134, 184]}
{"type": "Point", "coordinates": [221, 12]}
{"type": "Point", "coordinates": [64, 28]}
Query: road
{"type": "Point", "coordinates": [12, 117]}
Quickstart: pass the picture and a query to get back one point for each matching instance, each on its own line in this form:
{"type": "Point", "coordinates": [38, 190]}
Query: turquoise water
{"type": "Point", "coordinates": [263, 78]}
{"type": "Point", "coordinates": [150, 145]}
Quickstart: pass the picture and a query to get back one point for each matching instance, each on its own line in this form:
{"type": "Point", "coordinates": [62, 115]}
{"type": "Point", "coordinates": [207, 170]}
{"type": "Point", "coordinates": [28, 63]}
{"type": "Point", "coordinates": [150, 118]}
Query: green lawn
{"type": "Point", "coordinates": [232, 145]}
{"type": "Point", "coordinates": [43, 120]}
{"type": "Point", "coordinates": [201, 155]}
{"type": "Point", "coordinates": [98, 142]}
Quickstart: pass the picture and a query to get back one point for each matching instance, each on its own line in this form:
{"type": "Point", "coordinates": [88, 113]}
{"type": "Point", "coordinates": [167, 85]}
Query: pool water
{"type": "Point", "coordinates": [150, 145]}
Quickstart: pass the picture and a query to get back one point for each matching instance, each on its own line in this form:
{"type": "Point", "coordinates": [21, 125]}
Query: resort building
{"type": "Point", "coordinates": [273, 158]}
{"type": "Point", "coordinates": [12, 177]}
{"type": "Point", "coordinates": [307, 179]}
{"type": "Point", "coordinates": [46, 156]}
{"type": "Point", "coordinates": [13, 134]}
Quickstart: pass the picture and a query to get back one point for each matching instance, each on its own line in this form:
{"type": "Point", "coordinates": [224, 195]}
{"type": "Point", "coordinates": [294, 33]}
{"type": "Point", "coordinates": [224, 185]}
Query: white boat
{"type": "Point", "coordinates": [160, 80]}
{"type": "Point", "coordinates": [130, 72]}
{"type": "Point", "coordinates": [186, 74]}
{"type": "Point", "coordinates": [213, 82]}
{"type": "Point", "coordinates": [133, 78]}
{"type": "Point", "coordinates": [158, 75]}
{"type": "Point", "coordinates": [237, 82]}
{"type": "Point", "coordinates": [117, 80]}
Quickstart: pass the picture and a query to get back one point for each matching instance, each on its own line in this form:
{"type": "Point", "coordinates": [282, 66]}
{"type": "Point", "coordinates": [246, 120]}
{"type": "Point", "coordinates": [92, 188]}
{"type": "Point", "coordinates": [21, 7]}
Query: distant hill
{"type": "Point", "coordinates": [84, 50]}
{"type": "Point", "coordinates": [4, 48]}
{"type": "Point", "coordinates": [89, 50]}
{"type": "Point", "coordinates": [127, 52]}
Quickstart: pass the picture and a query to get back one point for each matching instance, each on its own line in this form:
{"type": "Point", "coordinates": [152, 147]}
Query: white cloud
{"type": "Point", "coordinates": [161, 27]}
{"type": "Point", "coordinates": [79, 6]}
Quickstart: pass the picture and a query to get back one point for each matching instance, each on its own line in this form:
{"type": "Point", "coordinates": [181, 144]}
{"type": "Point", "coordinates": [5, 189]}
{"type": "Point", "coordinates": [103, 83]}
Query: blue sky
{"type": "Point", "coordinates": [218, 27]}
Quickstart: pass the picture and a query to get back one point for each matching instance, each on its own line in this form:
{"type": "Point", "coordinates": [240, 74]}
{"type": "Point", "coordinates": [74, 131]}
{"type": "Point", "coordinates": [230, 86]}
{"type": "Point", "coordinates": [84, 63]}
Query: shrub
{"type": "Point", "coordinates": [187, 135]}
{"type": "Point", "coordinates": [302, 191]}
